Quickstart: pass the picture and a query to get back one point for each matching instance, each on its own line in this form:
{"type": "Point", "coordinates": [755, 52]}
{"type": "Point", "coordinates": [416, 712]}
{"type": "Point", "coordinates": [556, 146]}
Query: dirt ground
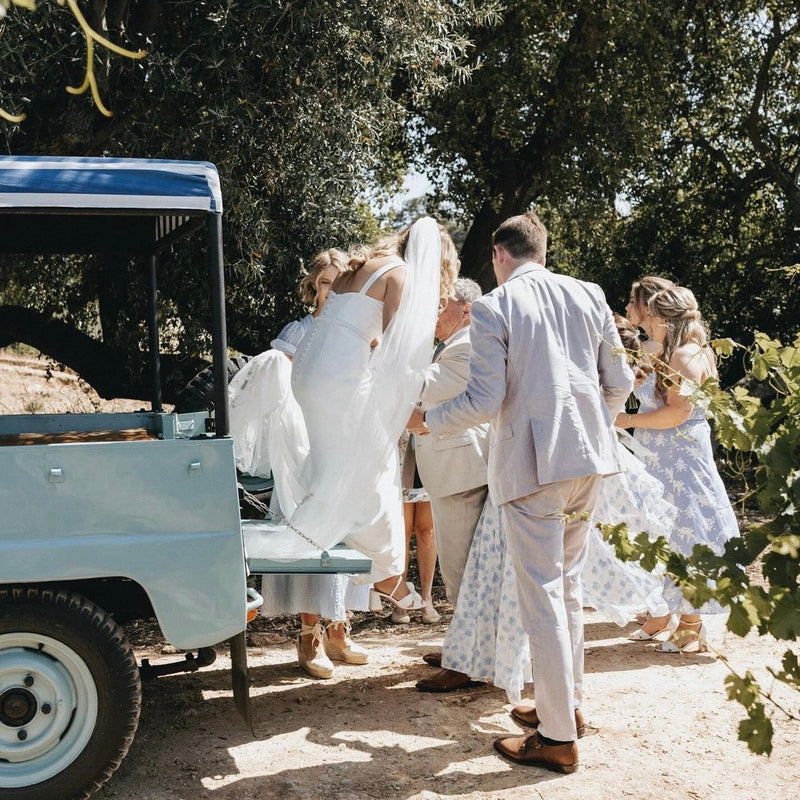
{"type": "Point", "coordinates": [662, 726]}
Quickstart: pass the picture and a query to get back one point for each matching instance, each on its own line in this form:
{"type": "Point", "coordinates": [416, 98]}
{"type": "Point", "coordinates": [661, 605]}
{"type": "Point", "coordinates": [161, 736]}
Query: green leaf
{"type": "Point", "coordinates": [757, 730]}
{"type": "Point", "coordinates": [742, 618]}
{"type": "Point", "coordinates": [724, 347]}
{"type": "Point", "coordinates": [785, 620]}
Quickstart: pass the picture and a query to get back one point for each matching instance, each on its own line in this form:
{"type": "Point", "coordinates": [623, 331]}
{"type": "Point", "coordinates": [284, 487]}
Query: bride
{"type": "Point", "coordinates": [356, 376]}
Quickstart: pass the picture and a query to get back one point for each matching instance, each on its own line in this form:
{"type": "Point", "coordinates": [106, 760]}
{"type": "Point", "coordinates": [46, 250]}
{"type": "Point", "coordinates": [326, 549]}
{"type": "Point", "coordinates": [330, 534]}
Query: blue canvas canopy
{"type": "Point", "coordinates": [103, 184]}
{"type": "Point", "coordinates": [143, 202]}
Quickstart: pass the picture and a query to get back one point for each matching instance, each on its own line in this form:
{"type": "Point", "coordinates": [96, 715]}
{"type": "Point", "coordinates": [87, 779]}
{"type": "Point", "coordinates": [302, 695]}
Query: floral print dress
{"type": "Point", "coordinates": [682, 458]}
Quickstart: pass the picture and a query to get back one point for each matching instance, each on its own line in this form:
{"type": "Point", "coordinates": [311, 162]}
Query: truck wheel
{"type": "Point", "coordinates": [198, 394]}
{"type": "Point", "coordinates": [70, 695]}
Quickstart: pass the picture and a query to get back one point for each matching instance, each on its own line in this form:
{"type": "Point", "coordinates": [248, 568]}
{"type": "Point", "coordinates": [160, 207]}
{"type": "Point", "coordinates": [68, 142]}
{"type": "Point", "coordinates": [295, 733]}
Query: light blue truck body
{"type": "Point", "coordinates": [162, 512]}
{"type": "Point", "coordinates": [107, 518]}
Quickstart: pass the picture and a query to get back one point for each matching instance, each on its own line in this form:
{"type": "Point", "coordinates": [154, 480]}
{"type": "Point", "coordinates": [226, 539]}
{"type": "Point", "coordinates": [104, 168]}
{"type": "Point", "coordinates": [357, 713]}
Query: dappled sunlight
{"type": "Point", "coordinates": [496, 724]}
{"type": "Point", "coordinates": [271, 754]}
{"type": "Point", "coordinates": [484, 765]}
{"type": "Point", "coordinates": [386, 738]}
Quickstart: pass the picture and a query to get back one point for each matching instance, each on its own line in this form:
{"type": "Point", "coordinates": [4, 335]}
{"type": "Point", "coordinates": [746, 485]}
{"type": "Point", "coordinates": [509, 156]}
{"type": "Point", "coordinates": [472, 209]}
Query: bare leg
{"type": "Point", "coordinates": [394, 585]}
{"type": "Point", "coordinates": [655, 624]}
{"type": "Point", "coordinates": [408, 517]}
{"type": "Point", "coordinates": [426, 549]}
{"type": "Point", "coordinates": [690, 630]}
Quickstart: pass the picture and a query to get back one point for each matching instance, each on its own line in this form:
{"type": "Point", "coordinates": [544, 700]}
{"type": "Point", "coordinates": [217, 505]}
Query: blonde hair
{"type": "Point", "coordinates": [677, 306]}
{"type": "Point", "coordinates": [395, 245]}
{"type": "Point", "coordinates": [307, 288]}
{"type": "Point", "coordinates": [643, 289]}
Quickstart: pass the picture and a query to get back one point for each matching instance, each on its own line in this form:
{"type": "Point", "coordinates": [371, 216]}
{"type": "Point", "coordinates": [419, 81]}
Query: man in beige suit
{"type": "Point", "coordinates": [452, 466]}
{"type": "Point", "coordinates": [547, 370]}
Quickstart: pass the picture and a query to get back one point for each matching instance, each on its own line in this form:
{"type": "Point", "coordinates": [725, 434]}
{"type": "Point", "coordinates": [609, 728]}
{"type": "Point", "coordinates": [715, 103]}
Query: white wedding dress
{"type": "Point", "coordinates": [269, 438]}
{"type": "Point", "coordinates": [330, 379]}
{"type": "Point", "coordinates": [355, 400]}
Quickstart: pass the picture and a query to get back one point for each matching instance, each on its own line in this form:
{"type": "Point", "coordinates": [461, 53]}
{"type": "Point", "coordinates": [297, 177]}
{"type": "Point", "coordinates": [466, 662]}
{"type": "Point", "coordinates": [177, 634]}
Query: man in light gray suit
{"type": "Point", "coordinates": [547, 369]}
{"type": "Point", "coordinates": [452, 466]}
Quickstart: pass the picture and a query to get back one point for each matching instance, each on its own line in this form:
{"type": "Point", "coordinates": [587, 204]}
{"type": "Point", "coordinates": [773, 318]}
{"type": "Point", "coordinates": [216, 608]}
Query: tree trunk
{"type": "Point", "coordinates": [476, 252]}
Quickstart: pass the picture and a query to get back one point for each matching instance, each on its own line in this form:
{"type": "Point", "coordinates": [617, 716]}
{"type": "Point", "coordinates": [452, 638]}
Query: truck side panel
{"type": "Point", "coordinates": [153, 511]}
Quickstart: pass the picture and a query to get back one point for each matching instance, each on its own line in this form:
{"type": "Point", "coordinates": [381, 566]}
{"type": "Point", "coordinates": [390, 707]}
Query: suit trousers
{"type": "Point", "coordinates": [455, 518]}
{"type": "Point", "coordinates": [547, 538]}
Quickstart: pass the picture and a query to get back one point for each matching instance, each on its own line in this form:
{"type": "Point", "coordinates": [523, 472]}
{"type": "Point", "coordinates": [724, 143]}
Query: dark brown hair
{"type": "Point", "coordinates": [638, 358]}
{"type": "Point", "coordinates": [524, 236]}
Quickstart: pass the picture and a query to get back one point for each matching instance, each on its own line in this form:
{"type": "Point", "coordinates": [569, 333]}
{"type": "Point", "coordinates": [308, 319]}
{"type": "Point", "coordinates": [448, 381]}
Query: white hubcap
{"type": "Point", "coordinates": [48, 708]}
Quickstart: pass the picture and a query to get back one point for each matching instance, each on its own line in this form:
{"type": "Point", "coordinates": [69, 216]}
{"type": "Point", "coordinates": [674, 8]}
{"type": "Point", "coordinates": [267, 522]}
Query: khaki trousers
{"type": "Point", "coordinates": [454, 520]}
{"type": "Point", "coordinates": [547, 539]}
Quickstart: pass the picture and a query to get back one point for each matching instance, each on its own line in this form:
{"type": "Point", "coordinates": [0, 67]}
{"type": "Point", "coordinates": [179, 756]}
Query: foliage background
{"type": "Point", "coordinates": [659, 137]}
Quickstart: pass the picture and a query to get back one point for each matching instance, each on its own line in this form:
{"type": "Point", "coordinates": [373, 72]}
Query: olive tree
{"type": "Point", "coordinates": [298, 105]}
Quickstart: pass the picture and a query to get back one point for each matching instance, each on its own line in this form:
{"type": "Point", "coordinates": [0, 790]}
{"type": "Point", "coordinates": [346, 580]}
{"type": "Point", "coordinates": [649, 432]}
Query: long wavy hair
{"type": "Point", "coordinates": [643, 289]}
{"type": "Point", "coordinates": [677, 307]}
{"type": "Point", "coordinates": [395, 245]}
{"type": "Point", "coordinates": [307, 288]}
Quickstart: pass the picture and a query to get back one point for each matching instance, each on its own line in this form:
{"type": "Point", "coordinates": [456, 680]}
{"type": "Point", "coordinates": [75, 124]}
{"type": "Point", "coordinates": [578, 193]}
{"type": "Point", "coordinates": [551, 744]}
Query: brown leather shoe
{"type": "Point", "coordinates": [434, 658]}
{"type": "Point", "coordinates": [527, 716]}
{"type": "Point", "coordinates": [531, 751]}
{"type": "Point", "coordinates": [447, 680]}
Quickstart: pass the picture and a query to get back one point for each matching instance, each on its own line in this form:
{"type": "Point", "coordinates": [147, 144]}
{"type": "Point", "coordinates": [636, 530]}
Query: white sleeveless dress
{"type": "Point", "coordinates": [331, 378]}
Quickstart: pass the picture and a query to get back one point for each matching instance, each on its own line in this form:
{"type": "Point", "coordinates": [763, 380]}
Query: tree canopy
{"type": "Point", "coordinates": [296, 103]}
{"type": "Point", "coordinates": [652, 137]}
{"type": "Point", "coordinates": [658, 137]}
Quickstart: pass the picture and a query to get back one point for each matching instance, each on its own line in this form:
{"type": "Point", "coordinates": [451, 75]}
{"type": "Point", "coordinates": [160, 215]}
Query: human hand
{"type": "Point", "coordinates": [416, 423]}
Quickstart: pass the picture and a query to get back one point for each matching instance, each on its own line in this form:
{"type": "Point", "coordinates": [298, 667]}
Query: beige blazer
{"type": "Point", "coordinates": [453, 461]}
{"type": "Point", "coordinates": [547, 369]}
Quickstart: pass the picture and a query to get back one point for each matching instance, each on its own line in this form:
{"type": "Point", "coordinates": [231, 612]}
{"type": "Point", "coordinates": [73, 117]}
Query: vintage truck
{"type": "Point", "coordinates": [106, 518]}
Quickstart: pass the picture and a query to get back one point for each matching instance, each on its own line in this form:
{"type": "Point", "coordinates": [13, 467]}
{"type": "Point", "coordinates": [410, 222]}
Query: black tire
{"type": "Point", "coordinates": [198, 394]}
{"type": "Point", "coordinates": [70, 695]}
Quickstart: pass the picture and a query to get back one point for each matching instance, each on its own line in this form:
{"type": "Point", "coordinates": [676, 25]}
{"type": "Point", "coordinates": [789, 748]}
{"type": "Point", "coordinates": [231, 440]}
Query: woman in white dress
{"type": "Point", "coordinates": [356, 376]}
{"type": "Point", "coordinates": [261, 402]}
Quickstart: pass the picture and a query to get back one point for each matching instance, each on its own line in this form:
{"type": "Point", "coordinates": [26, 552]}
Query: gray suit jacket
{"type": "Point", "coordinates": [547, 368]}
{"type": "Point", "coordinates": [453, 461]}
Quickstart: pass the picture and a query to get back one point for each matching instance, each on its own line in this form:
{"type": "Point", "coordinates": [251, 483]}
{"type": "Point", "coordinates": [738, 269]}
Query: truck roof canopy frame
{"type": "Point", "coordinates": [76, 205]}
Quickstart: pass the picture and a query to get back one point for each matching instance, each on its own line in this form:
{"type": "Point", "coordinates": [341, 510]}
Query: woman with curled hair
{"type": "Point", "coordinates": [673, 427]}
